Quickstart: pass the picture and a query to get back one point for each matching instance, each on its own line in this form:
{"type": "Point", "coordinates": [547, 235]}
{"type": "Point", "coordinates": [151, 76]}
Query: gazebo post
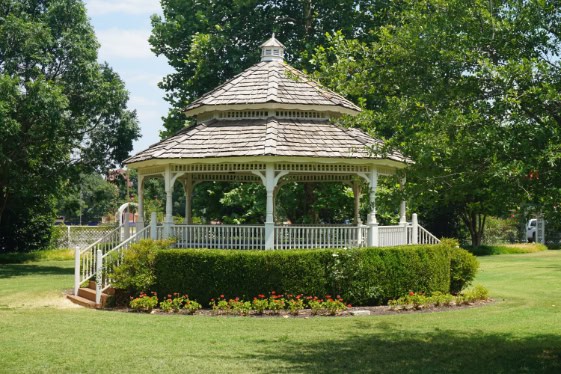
{"type": "Point", "coordinates": [403, 213]}
{"type": "Point", "coordinates": [371, 221]}
{"type": "Point", "coordinates": [356, 194]}
{"type": "Point", "coordinates": [140, 221]}
{"type": "Point", "coordinates": [168, 221]}
{"type": "Point", "coordinates": [402, 206]}
{"type": "Point", "coordinates": [269, 219]}
{"type": "Point", "coordinates": [188, 188]}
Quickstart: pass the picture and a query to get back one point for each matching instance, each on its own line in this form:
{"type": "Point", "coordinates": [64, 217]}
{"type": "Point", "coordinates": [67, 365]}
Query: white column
{"type": "Point", "coordinates": [402, 206]}
{"type": "Point", "coordinates": [168, 221]}
{"type": "Point", "coordinates": [140, 222]}
{"type": "Point", "coordinates": [154, 226]}
{"type": "Point", "coordinates": [415, 234]}
{"type": "Point", "coordinates": [356, 194]}
{"type": "Point", "coordinates": [371, 221]}
{"type": "Point", "coordinates": [269, 217]}
{"type": "Point", "coordinates": [188, 188]}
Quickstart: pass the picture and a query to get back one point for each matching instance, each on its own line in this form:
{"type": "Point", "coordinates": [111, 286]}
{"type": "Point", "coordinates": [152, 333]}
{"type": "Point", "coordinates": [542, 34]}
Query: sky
{"type": "Point", "coordinates": [122, 28]}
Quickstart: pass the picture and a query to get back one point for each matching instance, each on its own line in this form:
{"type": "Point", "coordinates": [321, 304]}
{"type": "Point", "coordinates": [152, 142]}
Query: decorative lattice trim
{"type": "Point", "coordinates": [237, 114]}
{"type": "Point", "coordinates": [319, 178]}
{"type": "Point", "coordinates": [218, 167]}
{"type": "Point", "coordinates": [225, 178]}
{"type": "Point", "coordinates": [323, 168]}
{"type": "Point", "coordinates": [300, 114]}
{"type": "Point", "coordinates": [153, 170]}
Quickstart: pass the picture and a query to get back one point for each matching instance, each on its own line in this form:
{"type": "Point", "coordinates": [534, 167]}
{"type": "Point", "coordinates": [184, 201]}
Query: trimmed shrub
{"type": "Point", "coordinates": [361, 276]}
{"type": "Point", "coordinates": [136, 270]}
{"type": "Point", "coordinates": [463, 267]}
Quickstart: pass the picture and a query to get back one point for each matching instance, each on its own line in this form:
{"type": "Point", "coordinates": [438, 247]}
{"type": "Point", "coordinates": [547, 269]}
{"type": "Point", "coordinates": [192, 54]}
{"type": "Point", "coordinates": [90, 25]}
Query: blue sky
{"type": "Point", "coordinates": [122, 28]}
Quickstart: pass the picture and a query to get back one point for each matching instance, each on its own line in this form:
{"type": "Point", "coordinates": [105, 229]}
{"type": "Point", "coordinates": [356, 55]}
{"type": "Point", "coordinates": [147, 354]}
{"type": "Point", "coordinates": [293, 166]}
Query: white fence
{"type": "Point", "coordinates": [219, 236]}
{"type": "Point", "coordinates": [332, 236]}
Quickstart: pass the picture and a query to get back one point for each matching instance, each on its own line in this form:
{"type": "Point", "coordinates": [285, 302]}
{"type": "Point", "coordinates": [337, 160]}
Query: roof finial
{"type": "Point", "coordinates": [272, 50]}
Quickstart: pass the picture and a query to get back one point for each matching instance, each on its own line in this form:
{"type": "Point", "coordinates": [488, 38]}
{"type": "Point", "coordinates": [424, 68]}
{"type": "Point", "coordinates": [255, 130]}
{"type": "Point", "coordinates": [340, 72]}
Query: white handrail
{"type": "Point", "coordinates": [85, 259]}
{"type": "Point", "coordinates": [426, 237]}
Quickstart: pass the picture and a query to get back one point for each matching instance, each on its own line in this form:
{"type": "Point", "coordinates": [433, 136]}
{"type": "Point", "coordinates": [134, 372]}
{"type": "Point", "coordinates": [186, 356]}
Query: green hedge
{"type": "Point", "coordinates": [364, 276]}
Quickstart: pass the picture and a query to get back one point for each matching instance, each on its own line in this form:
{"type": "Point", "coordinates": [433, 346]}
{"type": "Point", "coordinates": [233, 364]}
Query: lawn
{"type": "Point", "coordinates": [520, 332]}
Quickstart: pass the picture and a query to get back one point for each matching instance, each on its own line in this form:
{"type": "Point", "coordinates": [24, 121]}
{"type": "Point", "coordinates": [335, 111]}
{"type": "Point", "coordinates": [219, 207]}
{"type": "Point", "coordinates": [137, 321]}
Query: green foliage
{"type": "Point", "coordinates": [501, 230]}
{"type": "Point", "coordinates": [463, 267]}
{"type": "Point", "coordinates": [487, 250]}
{"type": "Point", "coordinates": [144, 303]}
{"type": "Point", "coordinates": [361, 276]}
{"type": "Point", "coordinates": [60, 112]}
{"type": "Point", "coordinates": [135, 272]}
{"type": "Point", "coordinates": [417, 301]}
{"type": "Point", "coordinates": [470, 91]}
{"type": "Point", "coordinates": [91, 196]}
{"type": "Point", "coordinates": [209, 42]}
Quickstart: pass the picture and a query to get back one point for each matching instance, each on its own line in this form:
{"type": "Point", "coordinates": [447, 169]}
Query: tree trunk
{"type": "Point", "coordinates": [475, 223]}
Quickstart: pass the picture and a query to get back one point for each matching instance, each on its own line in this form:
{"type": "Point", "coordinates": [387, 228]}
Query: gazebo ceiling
{"type": "Point", "coordinates": [266, 137]}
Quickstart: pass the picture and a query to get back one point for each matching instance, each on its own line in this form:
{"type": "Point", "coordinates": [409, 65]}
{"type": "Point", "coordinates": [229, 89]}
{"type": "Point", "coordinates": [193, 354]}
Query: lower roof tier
{"type": "Point", "coordinates": [266, 137]}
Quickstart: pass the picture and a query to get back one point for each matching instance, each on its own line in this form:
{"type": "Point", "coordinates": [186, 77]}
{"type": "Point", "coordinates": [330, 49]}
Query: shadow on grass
{"type": "Point", "coordinates": [19, 270]}
{"type": "Point", "coordinates": [396, 351]}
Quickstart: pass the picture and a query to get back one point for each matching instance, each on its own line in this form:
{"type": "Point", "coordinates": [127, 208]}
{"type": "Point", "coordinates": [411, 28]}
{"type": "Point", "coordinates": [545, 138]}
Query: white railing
{"type": "Point", "coordinates": [219, 236]}
{"type": "Point", "coordinates": [393, 235]}
{"type": "Point", "coordinates": [113, 258]}
{"type": "Point", "coordinates": [85, 260]}
{"type": "Point", "coordinates": [306, 236]}
{"type": "Point", "coordinates": [425, 237]}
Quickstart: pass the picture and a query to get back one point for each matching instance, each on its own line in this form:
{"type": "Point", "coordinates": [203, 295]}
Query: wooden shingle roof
{"type": "Point", "coordinates": [265, 137]}
{"type": "Point", "coordinates": [272, 82]}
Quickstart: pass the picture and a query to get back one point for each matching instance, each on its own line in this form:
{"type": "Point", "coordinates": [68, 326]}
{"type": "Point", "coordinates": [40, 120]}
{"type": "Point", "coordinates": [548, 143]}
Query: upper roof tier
{"type": "Point", "coordinates": [271, 84]}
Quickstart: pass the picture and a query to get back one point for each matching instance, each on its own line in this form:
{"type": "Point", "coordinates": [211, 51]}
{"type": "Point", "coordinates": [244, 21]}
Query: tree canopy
{"type": "Point", "coordinates": [61, 112]}
{"type": "Point", "coordinates": [472, 92]}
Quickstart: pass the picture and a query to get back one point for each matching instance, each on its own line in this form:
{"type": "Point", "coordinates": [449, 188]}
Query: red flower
{"type": "Point", "coordinates": [221, 296]}
{"type": "Point", "coordinates": [349, 306]}
{"type": "Point", "coordinates": [411, 293]}
{"type": "Point", "coordinates": [273, 292]}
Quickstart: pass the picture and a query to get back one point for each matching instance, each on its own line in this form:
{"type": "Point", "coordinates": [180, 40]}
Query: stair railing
{"type": "Point", "coordinates": [113, 257]}
{"type": "Point", "coordinates": [85, 260]}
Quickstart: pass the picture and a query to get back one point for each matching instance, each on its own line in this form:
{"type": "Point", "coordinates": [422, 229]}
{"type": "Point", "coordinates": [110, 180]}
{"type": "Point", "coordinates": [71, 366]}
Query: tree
{"type": "Point", "coordinates": [61, 112]}
{"type": "Point", "coordinates": [209, 42]}
{"type": "Point", "coordinates": [470, 91]}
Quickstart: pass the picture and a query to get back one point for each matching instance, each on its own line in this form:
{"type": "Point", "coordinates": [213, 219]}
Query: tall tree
{"type": "Point", "coordinates": [469, 90]}
{"type": "Point", "coordinates": [60, 111]}
{"type": "Point", "coordinates": [209, 42]}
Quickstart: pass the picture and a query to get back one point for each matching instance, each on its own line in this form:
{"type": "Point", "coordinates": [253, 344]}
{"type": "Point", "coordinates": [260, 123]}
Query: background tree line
{"type": "Point", "coordinates": [469, 90]}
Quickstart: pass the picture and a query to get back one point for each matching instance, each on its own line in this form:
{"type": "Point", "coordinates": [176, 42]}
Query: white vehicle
{"type": "Point", "coordinates": [531, 229]}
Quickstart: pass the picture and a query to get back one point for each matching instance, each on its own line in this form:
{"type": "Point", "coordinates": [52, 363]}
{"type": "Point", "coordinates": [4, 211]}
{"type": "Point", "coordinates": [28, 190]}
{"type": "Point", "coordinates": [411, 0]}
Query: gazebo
{"type": "Point", "coordinates": [272, 125]}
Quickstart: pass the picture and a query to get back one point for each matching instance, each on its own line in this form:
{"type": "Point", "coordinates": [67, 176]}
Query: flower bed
{"type": "Point", "coordinates": [305, 306]}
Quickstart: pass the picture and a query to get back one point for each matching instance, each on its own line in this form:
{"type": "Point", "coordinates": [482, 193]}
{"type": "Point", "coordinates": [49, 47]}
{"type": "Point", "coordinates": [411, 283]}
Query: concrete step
{"type": "Point", "coordinates": [81, 301]}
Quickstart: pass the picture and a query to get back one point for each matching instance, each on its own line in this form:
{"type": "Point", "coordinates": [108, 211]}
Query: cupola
{"type": "Point", "coordinates": [272, 50]}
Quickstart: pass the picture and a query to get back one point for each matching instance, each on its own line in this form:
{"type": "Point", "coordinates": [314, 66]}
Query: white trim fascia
{"type": "Point", "coordinates": [204, 108]}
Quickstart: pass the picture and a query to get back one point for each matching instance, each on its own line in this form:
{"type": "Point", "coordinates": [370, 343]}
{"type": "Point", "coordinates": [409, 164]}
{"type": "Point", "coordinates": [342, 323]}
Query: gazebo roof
{"type": "Point", "coordinates": [266, 137]}
{"type": "Point", "coordinates": [272, 82]}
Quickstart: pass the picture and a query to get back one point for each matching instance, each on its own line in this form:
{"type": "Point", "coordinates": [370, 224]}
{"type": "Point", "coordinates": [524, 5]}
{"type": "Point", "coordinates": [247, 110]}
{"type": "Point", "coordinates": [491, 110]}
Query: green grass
{"type": "Point", "coordinates": [519, 333]}
{"type": "Point", "coordinates": [506, 249]}
{"type": "Point", "coordinates": [63, 254]}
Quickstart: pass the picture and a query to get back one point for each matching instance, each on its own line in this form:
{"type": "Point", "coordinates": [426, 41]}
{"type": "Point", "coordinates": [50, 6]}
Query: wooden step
{"type": "Point", "coordinates": [82, 301]}
{"type": "Point", "coordinates": [89, 294]}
